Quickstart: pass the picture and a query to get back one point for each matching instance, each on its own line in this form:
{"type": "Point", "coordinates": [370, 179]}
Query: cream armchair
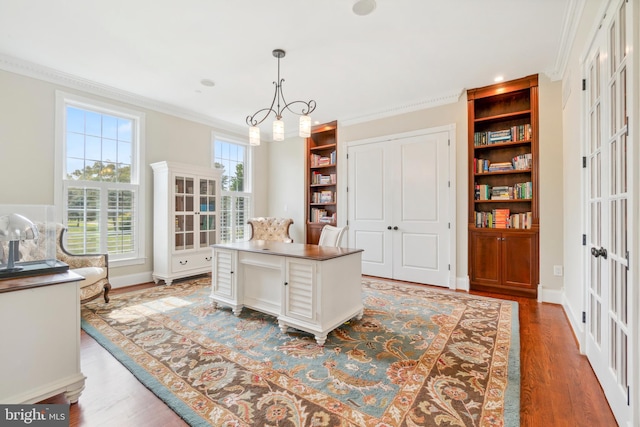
{"type": "Point", "coordinates": [93, 267]}
{"type": "Point", "coordinates": [270, 228]}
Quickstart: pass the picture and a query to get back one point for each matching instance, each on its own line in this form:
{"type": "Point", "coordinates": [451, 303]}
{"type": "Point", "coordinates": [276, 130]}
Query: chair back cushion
{"type": "Point", "coordinates": [331, 236]}
{"type": "Point", "coordinates": [270, 228]}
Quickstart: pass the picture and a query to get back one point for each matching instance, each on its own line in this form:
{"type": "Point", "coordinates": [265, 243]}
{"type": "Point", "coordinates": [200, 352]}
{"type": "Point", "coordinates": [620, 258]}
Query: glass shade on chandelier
{"type": "Point", "coordinates": [305, 108]}
{"type": "Point", "coordinates": [305, 126]}
{"type": "Point", "coordinates": [254, 135]}
{"type": "Point", "coordinates": [278, 130]}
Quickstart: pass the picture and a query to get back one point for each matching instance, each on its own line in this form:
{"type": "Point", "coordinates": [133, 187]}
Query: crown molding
{"type": "Point", "coordinates": [40, 72]}
{"type": "Point", "coordinates": [450, 98]}
{"type": "Point", "coordinates": [572, 16]}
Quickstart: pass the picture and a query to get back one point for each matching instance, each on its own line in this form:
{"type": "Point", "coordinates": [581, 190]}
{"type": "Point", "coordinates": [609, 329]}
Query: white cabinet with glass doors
{"type": "Point", "coordinates": [185, 219]}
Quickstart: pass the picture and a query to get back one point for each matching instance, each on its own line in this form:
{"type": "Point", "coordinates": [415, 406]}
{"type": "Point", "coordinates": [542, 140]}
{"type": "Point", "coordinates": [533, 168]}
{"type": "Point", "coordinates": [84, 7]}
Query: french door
{"type": "Point", "coordinates": [610, 331]}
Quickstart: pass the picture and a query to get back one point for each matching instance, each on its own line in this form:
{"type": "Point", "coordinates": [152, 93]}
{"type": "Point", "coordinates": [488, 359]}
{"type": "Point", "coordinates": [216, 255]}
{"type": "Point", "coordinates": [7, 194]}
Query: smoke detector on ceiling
{"type": "Point", "coordinates": [364, 7]}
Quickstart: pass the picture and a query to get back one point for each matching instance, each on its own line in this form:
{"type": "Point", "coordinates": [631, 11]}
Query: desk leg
{"type": "Point", "coordinates": [283, 328]}
{"type": "Point", "coordinates": [320, 339]}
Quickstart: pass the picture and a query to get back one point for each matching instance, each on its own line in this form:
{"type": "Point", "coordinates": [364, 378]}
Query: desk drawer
{"type": "Point", "coordinates": [191, 261]}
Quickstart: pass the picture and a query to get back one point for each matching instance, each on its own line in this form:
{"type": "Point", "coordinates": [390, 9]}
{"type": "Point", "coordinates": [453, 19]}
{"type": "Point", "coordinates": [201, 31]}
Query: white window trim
{"type": "Point", "coordinates": [137, 164]}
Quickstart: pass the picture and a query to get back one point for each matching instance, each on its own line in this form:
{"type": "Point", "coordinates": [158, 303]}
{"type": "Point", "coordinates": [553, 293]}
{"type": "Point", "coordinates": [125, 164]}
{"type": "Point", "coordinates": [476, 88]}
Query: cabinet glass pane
{"type": "Point", "coordinates": [188, 185]}
{"type": "Point", "coordinates": [188, 223]}
{"type": "Point", "coordinates": [179, 204]}
{"type": "Point", "coordinates": [179, 185]}
{"type": "Point", "coordinates": [188, 203]}
{"type": "Point", "coordinates": [179, 242]}
{"type": "Point", "coordinates": [188, 240]}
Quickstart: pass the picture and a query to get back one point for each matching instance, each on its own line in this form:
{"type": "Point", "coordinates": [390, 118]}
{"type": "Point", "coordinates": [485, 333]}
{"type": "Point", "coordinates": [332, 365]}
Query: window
{"type": "Point", "coordinates": [233, 159]}
{"type": "Point", "coordinates": [98, 166]}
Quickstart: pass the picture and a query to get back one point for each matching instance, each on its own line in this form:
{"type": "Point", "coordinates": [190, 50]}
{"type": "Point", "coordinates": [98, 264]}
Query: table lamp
{"type": "Point", "coordinates": [13, 229]}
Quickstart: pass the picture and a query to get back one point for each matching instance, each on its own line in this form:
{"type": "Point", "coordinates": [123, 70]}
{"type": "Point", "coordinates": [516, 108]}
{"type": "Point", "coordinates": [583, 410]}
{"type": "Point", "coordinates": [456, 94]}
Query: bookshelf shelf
{"type": "Point", "coordinates": [504, 233]}
{"type": "Point", "coordinates": [321, 180]}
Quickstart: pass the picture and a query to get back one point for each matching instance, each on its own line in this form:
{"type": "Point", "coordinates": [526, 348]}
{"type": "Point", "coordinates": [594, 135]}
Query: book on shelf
{"type": "Point", "coordinates": [501, 192]}
{"type": "Point", "coordinates": [521, 220]}
{"type": "Point", "coordinates": [500, 167]}
{"type": "Point", "coordinates": [319, 160]}
{"type": "Point", "coordinates": [322, 216]}
{"type": "Point", "coordinates": [497, 218]}
{"type": "Point", "coordinates": [522, 161]}
{"type": "Point", "coordinates": [483, 192]}
{"type": "Point", "coordinates": [319, 178]}
{"type": "Point", "coordinates": [481, 165]}
{"type": "Point", "coordinates": [513, 134]}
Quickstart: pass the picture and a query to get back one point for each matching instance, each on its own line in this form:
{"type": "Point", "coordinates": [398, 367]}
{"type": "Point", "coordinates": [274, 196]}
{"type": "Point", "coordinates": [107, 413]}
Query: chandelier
{"type": "Point", "coordinates": [278, 125]}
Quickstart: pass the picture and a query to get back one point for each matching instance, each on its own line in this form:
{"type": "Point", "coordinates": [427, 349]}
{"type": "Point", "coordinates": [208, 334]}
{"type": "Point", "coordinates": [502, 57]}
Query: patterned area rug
{"type": "Point", "coordinates": [418, 357]}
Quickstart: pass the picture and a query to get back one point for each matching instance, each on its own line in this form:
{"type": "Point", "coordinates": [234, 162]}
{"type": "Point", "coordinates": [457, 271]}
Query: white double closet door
{"type": "Point", "coordinates": [398, 206]}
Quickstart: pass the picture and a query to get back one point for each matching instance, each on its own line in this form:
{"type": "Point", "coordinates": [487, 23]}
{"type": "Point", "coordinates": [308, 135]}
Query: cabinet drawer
{"type": "Point", "coordinates": [191, 261]}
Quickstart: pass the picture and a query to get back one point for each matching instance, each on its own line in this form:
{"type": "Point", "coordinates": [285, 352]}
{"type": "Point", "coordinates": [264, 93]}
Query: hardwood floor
{"type": "Point", "coordinates": [558, 386]}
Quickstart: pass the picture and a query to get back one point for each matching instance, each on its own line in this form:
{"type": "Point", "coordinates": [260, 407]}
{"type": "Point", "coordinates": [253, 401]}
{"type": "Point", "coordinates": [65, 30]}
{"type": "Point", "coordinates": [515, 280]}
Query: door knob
{"type": "Point", "coordinates": [389, 228]}
{"type": "Point", "coordinates": [599, 252]}
{"type": "Point", "coordinates": [395, 228]}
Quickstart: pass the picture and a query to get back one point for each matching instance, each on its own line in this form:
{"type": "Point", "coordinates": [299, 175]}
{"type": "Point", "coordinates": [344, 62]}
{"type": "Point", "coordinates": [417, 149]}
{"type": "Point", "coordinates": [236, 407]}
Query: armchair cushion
{"type": "Point", "coordinates": [270, 228]}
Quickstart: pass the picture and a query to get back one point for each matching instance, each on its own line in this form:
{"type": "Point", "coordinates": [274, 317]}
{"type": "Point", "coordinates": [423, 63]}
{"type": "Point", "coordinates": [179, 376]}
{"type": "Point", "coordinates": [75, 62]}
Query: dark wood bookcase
{"type": "Point", "coordinates": [321, 179]}
{"type": "Point", "coordinates": [503, 127]}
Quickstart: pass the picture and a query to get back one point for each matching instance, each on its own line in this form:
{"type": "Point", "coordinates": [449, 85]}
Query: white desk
{"type": "Point", "coordinates": [40, 333]}
{"type": "Point", "coordinates": [307, 287]}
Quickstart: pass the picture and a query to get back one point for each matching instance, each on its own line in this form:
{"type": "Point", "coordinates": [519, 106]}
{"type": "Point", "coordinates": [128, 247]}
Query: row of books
{"type": "Point", "coordinates": [318, 178]}
{"type": "Point", "coordinates": [318, 160]}
{"type": "Point", "coordinates": [502, 218]}
{"type": "Point", "coordinates": [519, 162]}
{"type": "Point", "coordinates": [321, 215]}
{"type": "Point", "coordinates": [512, 134]}
{"type": "Point", "coordinates": [325, 196]}
{"type": "Point", "coordinates": [522, 161]}
{"type": "Point", "coordinates": [523, 190]}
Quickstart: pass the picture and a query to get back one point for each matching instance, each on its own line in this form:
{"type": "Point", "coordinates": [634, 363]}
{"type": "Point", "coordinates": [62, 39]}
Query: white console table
{"type": "Point", "coordinates": [40, 333]}
{"type": "Point", "coordinates": [307, 287]}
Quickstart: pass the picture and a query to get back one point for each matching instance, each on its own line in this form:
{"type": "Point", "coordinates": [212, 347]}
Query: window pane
{"type": "Point", "coordinates": [125, 127]}
{"type": "Point", "coordinates": [93, 148]}
{"type": "Point", "coordinates": [93, 123]}
{"type": "Point", "coordinates": [109, 150]}
{"type": "Point", "coordinates": [75, 145]}
{"type": "Point", "coordinates": [75, 120]}
{"type": "Point", "coordinates": [109, 127]}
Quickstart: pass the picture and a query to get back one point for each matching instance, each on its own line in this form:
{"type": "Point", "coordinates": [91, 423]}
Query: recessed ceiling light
{"type": "Point", "coordinates": [207, 82]}
{"type": "Point", "coordinates": [498, 79]}
{"type": "Point", "coordinates": [364, 7]}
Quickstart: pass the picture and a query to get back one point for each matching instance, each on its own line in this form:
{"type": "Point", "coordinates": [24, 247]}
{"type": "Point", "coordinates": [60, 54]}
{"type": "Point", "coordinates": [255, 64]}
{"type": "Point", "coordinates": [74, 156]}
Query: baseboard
{"type": "Point", "coordinates": [130, 279]}
{"type": "Point", "coordinates": [552, 296]}
{"type": "Point", "coordinates": [462, 284]}
{"type": "Point", "coordinates": [575, 321]}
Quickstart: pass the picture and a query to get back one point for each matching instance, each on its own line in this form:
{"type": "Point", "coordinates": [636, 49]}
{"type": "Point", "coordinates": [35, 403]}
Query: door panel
{"type": "Point", "coordinates": [421, 212]}
{"type": "Point", "coordinates": [607, 198]}
{"type": "Point", "coordinates": [369, 208]}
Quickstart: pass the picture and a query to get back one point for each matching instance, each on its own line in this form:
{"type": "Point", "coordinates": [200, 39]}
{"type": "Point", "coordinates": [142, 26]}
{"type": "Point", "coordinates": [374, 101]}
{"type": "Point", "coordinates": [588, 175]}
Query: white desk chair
{"type": "Point", "coordinates": [331, 236]}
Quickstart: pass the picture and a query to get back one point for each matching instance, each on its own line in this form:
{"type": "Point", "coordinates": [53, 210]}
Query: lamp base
{"type": "Point", "coordinates": [11, 270]}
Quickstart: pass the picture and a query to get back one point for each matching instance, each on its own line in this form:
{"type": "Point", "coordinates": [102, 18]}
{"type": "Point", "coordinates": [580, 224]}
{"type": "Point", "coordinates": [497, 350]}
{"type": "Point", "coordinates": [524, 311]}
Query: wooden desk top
{"type": "Point", "coordinates": [26, 282]}
{"type": "Point", "coordinates": [295, 250]}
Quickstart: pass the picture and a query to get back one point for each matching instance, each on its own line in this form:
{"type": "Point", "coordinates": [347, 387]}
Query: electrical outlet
{"type": "Point", "coordinates": [557, 270]}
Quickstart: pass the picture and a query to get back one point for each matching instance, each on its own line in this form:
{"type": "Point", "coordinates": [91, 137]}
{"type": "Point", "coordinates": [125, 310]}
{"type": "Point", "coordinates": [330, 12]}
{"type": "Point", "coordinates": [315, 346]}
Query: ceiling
{"type": "Point", "coordinates": [405, 55]}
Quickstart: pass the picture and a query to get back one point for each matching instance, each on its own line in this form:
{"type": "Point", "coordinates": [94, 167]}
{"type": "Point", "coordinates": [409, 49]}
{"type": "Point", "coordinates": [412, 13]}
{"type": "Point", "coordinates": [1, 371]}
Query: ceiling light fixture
{"type": "Point", "coordinates": [278, 125]}
{"type": "Point", "coordinates": [364, 7]}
